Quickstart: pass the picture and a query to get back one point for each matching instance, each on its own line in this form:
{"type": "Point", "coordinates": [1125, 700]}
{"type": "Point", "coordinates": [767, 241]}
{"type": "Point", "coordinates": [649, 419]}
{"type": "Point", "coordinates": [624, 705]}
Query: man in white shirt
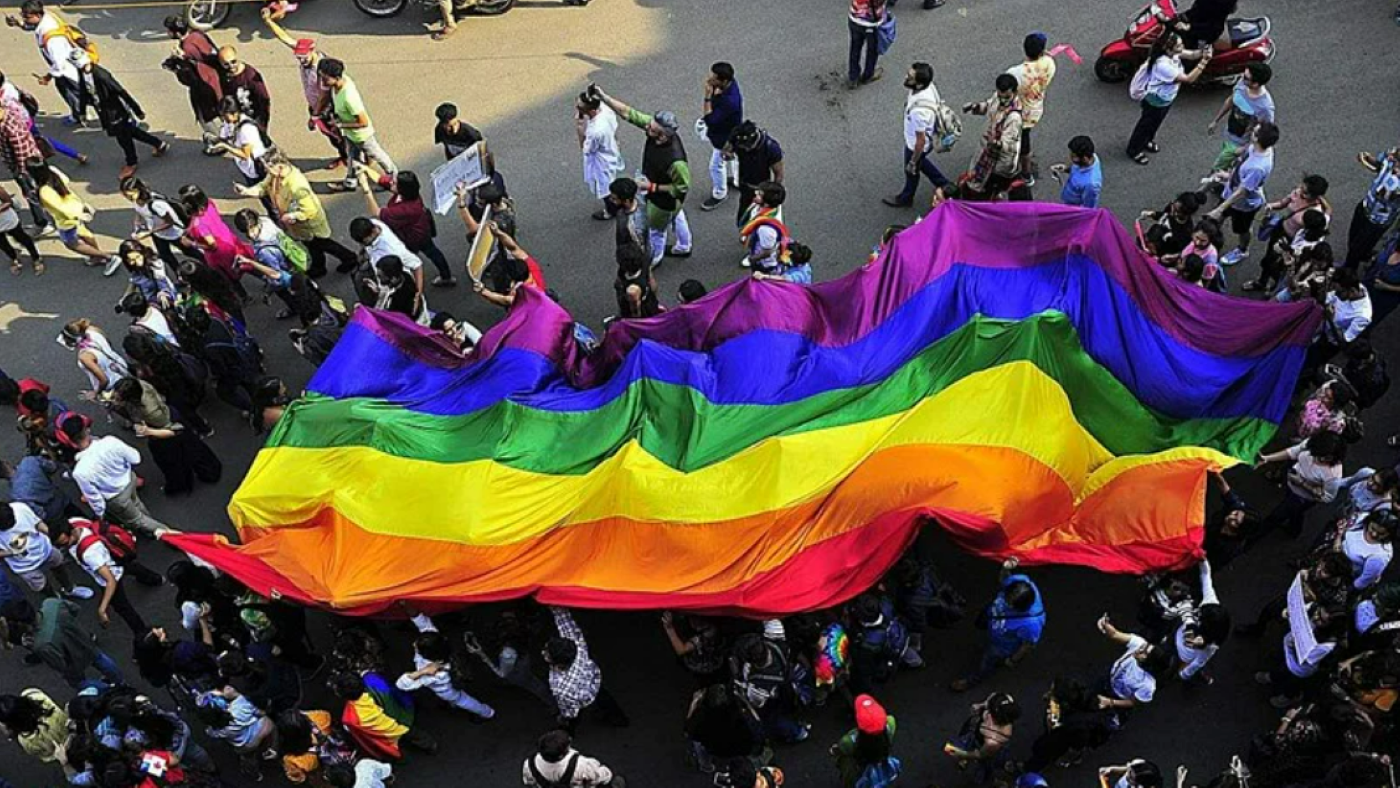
{"type": "Point", "coordinates": [596, 124]}
{"type": "Point", "coordinates": [1348, 308]}
{"type": "Point", "coordinates": [26, 548]}
{"type": "Point", "coordinates": [62, 57]}
{"type": "Point", "coordinates": [558, 763]}
{"type": "Point", "coordinates": [379, 242]}
{"type": "Point", "coordinates": [105, 474]}
{"type": "Point", "coordinates": [920, 131]}
{"type": "Point", "coordinates": [95, 557]}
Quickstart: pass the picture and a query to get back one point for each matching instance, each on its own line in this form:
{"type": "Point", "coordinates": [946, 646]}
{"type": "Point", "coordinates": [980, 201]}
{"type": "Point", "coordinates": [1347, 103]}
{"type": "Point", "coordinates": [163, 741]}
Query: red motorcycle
{"type": "Point", "coordinates": [1249, 43]}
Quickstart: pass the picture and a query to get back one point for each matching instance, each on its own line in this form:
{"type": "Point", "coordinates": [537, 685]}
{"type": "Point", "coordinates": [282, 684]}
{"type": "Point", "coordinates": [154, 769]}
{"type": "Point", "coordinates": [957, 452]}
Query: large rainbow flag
{"type": "Point", "coordinates": [1019, 374]}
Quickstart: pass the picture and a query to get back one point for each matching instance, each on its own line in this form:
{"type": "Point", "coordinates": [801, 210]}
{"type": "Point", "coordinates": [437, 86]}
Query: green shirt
{"type": "Point", "coordinates": [348, 107]}
{"type": "Point", "coordinates": [846, 754]}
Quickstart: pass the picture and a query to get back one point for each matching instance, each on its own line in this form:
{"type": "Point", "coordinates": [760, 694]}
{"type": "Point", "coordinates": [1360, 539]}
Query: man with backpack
{"type": "Point", "coordinates": [559, 765]}
{"type": "Point", "coordinates": [879, 643]}
{"type": "Point", "coordinates": [299, 211]}
{"type": "Point", "coordinates": [763, 679]}
{"type": "Point", "coordinates": [922, 112]}
{"type": "Point", "coordinates": [1014, 621]}
{"type": "Point", "coordinates": [107, 552]}
{"type": "Point", "coordinates": [64, 48]}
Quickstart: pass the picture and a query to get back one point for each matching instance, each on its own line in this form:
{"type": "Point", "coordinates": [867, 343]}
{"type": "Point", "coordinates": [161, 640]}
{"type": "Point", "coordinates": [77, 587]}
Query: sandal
{"type": "Point", "coordinates": [40, 268]}
{"type": "Point", "coordinates": [16, 268]}
{"type": "Point", "coordinates": [339, 187]}
{"type": "Point", "coordinates": [1152, 147]}
{"type": "Point", "coordinates": [1142, 158]}
{"type": "Point", "coordinates": [445, 33]}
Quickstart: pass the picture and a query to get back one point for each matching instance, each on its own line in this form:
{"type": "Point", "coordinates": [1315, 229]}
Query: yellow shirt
{"type": "Point", "coordinates": [53, 729]}
{"type": "Point", "coordinates": [67, 212]}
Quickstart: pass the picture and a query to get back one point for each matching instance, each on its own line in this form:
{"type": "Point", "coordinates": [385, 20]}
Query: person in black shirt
{"type": "Point", "coordinates": [1173, 225]}
{"type": "Point", "coordinates": [760, 160]}
{"type": "Point", "coordinates": [635, 285]}
{"type": "Point", "coordinates": [1227, 532]}
{"type": "Point", "coordinates": [246, 84]}
{"type": "Point", "coordinates": [452, 133]}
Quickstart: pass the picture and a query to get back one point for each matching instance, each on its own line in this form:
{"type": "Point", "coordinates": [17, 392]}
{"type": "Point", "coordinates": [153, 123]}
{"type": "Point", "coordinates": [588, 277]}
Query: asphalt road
{"type": "Point", "coordinates": [515, 76]}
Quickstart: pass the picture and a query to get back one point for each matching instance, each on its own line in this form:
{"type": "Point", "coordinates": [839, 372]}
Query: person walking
{"type": "Point", "coordinates": [1165, 76]}
{"type": "Point", "coordinates": [1014, 622]}
{"type": "Point", "coordinates": [556, 764]}
{"type": "Point", "coordinates": [759, 159]}
{"type": "Point", "coordinates": [596, 124]}
{"type": "Point", "coordinates": [666, 177]}
{"type": "Point", "coordinates": [408, 218]}
{"type": "Point", "coordinates": [57, 42]}
{"type": "Point", "coordinates": [62, 643]}
{"type": "Point", "coordinates": [318, 97]}
{"type": "Point", "coordinates": [97, 555]}
{"type": "Point", "coordinates": [1244, 191]}
{"type": "Point", "coordinates": [195, 63]}
{"type": "Point", "coordinates": [178, 451]}
{"type": "Point", "coordinates": [863, 20]}
{"type": "Point", "coordinates": [245, 84]}
{"type": "Point", "coordinates": [118, 113]}
{"type": "Point", "coordinates": [18, 147]}
{"type": "Point", "coordinates": [997, 164]}
{"type": "Point", "coordinates": [70, 214]}
{"type": "Point", "coordinates": [29, 553]}
{"type": "Point", "coordinates": [157, 219]}
{"type": "Point", "coordinates": [241, 138]}
{"type": "Point", "coordinates": [1248, 105]}
{"type": "Point", "coordinates": [11, 229]}
{"type": "Point", "coordinates": [863, 756]}
{"type": "Point", "coordinates": [920, 130]}
{"type": "Point", "coordinates": [299, 211]}
{"type": "Point", "coordinates": [1033, 78]}
{"type": "Point", "coordinates": [1377, 210]}
{"type": "Point", "coordinates": [452, 133]}
{"type": "Point", "coordinates": [575, 679]}
{"type": "Point", "coordinates": [723, 108]}
{"type": "Point", "coordinates": [96, 357]}
{"type": "Point", "coordinates": [105, 474]}
{"type": "Point", "coordinates": [352, 118]}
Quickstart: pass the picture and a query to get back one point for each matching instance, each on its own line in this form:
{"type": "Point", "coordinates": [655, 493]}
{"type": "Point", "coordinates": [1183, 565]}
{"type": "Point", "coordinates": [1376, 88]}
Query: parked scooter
{"type": "Point", "coordinates": [1249, 39]}
{"type": "Point", "coordinates": [387, 8]}
{"type": "Point", "coordinates": [209, 14]}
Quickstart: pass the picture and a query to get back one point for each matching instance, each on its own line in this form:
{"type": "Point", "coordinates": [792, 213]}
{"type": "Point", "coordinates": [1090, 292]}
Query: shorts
{"type": "Point", "coordinates": [1229, 151]}
{"type": "Point", "coordinates": [1241, 221]}
{"type": "Point", "coordinates": [36, 579]}
{"type": "Point", "coordinates": [71, 236]}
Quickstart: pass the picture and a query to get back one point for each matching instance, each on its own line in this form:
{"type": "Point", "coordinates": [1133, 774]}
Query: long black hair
{"type": "Point", "coordinates": [22, 715]}
{"type": "Point", "coordinates": [1162, 46]}
{"type": "Point", "coordinates": [44, 175]}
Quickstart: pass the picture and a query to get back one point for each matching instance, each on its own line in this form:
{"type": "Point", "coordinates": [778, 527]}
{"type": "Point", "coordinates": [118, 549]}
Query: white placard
{"type": "Point", "coordinates": [1304, 641]}
{"type": "Point", "coordinates": [467, 167]}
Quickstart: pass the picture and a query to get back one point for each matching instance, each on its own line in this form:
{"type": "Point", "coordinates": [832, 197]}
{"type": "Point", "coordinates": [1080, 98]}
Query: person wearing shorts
{"type": "Point", "coordinates": [1244, 191]}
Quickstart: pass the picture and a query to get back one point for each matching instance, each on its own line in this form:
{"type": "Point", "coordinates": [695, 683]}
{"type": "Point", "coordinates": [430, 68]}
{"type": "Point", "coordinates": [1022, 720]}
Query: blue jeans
{"type": "Point", "coordinates": [866, 38]}
{"type": "Point", "coordinates": [105, 665]}
{"type": "Point", "coordinates": [928, 168]}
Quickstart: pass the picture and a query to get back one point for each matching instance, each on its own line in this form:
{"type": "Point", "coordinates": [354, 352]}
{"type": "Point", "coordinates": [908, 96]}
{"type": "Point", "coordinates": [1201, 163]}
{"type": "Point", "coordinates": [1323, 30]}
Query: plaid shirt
{"type": "Point", "coordinates": [576, 686]}
{"type": "Point", "coordinates": [17, 143]}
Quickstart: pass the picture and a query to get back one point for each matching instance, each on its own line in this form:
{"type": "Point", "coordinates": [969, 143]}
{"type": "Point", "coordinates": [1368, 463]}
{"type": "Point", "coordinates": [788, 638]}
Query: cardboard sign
{"type": "Point", "coordinates": [482, 246]}
{"type": "Point", "coordinates": [1304, 641]}
{"type": "Point", "coordinates": [468, 167]}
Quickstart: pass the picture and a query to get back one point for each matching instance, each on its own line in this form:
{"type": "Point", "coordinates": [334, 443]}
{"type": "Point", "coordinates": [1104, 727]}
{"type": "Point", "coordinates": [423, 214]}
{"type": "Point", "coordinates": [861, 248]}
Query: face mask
{"type": "Point", "coordinates": [911, 84]}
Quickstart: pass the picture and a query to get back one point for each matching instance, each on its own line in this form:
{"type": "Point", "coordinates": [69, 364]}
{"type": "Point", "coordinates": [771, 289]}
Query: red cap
{"type": "Point", "coordinates": [304, 47]}
{"type": "Point", "coordinates": [870, 715]}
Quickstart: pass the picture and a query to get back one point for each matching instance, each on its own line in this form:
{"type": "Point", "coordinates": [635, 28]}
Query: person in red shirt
{"type": "Point", "coordinates": [410, 220]}
{"type": "Point", "coordinates": [520, 269]}
{"type": "Point", "coordinates": [197, 49]}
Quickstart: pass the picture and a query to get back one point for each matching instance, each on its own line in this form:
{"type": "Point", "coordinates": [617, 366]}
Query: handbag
{"type": "Point", "coordinates": [885, 33]}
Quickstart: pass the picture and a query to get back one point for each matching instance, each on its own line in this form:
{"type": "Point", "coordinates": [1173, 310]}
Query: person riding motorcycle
{"type": "Point", "coordinates": [1204, 24]}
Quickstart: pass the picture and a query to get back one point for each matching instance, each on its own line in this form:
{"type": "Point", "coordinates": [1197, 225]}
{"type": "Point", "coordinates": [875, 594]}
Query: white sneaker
{"type": "Point", "coordinates": [113, 263]}
{"type": "Point", "coordinates": [79, 592]}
